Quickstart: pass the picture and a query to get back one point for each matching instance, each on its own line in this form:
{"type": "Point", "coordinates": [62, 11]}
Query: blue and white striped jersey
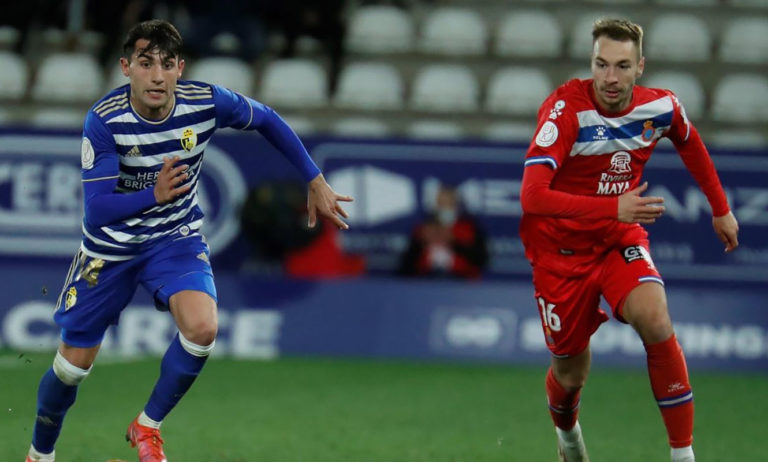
{"type": "Point", "coordinates": [123, 153]}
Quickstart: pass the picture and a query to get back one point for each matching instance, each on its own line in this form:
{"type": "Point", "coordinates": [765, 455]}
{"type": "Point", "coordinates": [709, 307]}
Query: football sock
{"type": "Point", "coordinates": [669, 381]}
{"type": "Point", "coordinates": [55, 395]}
{"type": "Point", "coordinates": [181, 364]}
{"type": "Point", "coordinates": [682, 454]}
{"type": "Point", "coordinates": [563, 404]}
{"type": "Point", "coordinates": [145, 421]}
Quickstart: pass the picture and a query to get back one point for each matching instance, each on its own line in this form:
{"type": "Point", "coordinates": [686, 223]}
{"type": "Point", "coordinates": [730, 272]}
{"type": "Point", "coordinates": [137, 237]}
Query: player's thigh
{"type": "Point", "coordinates": [645, 308]}
{"type": "Point", "coordinates": [94, 294]}
{"type": "Point", "coordinates": [180, 265]}
{"type": "Point", "coordinates": [626, 269]}
{"type": "Point", "coordinates": [569, 311]}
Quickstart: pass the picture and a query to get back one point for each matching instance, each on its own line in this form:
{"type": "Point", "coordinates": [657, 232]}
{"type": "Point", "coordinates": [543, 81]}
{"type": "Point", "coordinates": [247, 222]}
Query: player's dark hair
{"type": "Point", "coordinates": [619, 29]}
{"type": "Point", "coordinates": [161, 34]}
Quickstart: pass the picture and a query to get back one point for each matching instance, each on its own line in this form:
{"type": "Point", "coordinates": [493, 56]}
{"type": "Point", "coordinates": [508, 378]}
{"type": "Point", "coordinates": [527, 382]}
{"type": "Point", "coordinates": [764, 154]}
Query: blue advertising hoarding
{"type": "Point", "coordinates": [392, 318]}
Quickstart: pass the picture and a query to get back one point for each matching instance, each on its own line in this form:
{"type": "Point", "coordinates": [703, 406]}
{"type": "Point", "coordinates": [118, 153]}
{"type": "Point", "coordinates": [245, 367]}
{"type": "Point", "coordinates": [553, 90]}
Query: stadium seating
{"type": "Point", "coordinates": [228, 72]}
{"type": "Point", "coordinates": [747, 139]}
{"type": "Point", "coordinates": [13, 76]}
{"type": "Point", "coordinates": [9, 37]}
{"type": "Point", "coordinates": [510, 131]}
{"type": "Point", "coordinates": [454, 31]}
{"type": "Point", "coordinates": [678, 37]}
{"type": "Point", "coordinates": [300, 125]}
{"type": "Point", "coordinates": [294, 83]}
{"type": "Point", "coordinates": [749, 3]}
{"type": "Point", "coordinates": [370, 86]}
{"type": "Point", "coordinates": [686, 87]}
{"type": "Point", "coordinates": [68, 78]}
{"type": "Point", "coordinates": [532, 33]}
{"type": "Point", "coordinates": [360, 127]}
{"type": "Point", "coordinates": [741, 98]}
{"type": "Point", "coordinates": [445, 88]}
{"type": "Point", "coordinates": [380, 29]}
{"type": "Point", "coordinates": [58, 118]}
{"type": "Point", "coordinates": [435, 129]}
{"type": "Point", "coordinates": [517, 91]}
{"type": "Point", "coordinates": [580, 39]}
{"type": "Point", "coordinates": [692, 3]}
{"type": "Point", "coordinates": [738, 44]}
{"type": "Point", "coordinates": [445, 58]}
{"type": "Point", "coordinates": [115, 77]}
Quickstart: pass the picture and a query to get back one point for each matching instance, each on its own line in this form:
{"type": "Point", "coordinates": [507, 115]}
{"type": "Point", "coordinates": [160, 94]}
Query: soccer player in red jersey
{"type": "Point", "coordinates": [584, 208]}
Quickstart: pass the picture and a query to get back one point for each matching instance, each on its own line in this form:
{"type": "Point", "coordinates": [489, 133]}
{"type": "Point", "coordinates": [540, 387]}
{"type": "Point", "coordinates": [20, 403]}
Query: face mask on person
{"type": "Point", "coordinates": [446, 217]}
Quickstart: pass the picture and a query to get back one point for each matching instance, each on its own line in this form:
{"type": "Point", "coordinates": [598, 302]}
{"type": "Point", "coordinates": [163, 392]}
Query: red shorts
{"type": "Point", "coordinates": [569, 307]}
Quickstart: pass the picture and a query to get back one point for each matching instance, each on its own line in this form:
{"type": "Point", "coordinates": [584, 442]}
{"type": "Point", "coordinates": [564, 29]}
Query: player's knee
{"type": "Point", "coordinates": [655, 326]}
{"type": "Point", "coordinates": [202, 333]}
{"type": "Point", "coordinates": [572, 381]}
{"type": "Point", "coordinates": [199, 345]}
{"type": "Point", "coordinates": [68, 373]}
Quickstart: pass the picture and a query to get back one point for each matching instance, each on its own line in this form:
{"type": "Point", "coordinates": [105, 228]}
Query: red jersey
{"type": "Point", "coordinates": [582, 158]}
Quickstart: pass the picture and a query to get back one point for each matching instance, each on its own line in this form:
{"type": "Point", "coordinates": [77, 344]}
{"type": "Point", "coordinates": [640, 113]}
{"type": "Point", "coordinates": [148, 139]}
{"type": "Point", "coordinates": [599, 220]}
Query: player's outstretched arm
{"type": "Point", "coordinates": [168, 180]}
{"type": "Point", "coordinates": [727, 230]}
{"type": "Point", "coordinates": [323, 200]}
{"type": "Point", "coordinates": [634, 208]}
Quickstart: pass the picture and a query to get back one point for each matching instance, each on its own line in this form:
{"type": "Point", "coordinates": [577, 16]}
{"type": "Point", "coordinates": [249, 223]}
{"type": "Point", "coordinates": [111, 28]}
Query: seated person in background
{"type": "Point", "coordinates": [448, 243]}
{"type": "Point", "coordinates": [274, 222]}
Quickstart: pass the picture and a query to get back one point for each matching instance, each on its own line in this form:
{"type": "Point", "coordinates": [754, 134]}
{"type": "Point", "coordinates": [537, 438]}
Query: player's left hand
{"type": "Point", "coordinates": [727, 230]}
{"type": "Point", "coordinates": [325, 201]}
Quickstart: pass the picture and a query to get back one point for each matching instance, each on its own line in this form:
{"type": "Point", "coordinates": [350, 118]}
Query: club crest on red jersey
{"type": "Point", "coordinates": [648, 130]}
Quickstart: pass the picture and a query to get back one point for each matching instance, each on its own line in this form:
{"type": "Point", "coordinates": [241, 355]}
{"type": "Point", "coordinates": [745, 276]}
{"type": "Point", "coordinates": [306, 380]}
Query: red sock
{"type": "Point", "coordinates": [669, 381]}
{"type": "Point", "coordinates": [563, 404]}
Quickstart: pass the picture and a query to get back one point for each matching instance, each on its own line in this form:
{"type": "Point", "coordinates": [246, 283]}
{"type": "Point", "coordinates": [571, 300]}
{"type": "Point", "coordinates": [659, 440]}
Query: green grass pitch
{"type": "Point", "coordinates": [334, 410]}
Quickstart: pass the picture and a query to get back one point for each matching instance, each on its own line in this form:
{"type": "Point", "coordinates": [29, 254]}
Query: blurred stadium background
{"type": "Point", "coordinates": [325, 352]}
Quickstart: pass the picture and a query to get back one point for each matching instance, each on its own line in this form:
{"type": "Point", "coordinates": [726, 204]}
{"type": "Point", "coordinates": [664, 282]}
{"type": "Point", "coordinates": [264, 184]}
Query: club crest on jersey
{"type": "Point", "coordinates": [188, 139]}
{"type": "Point", "coordinates": [648, 130]}
{"type": "Point", "coordinates": [71, 298]}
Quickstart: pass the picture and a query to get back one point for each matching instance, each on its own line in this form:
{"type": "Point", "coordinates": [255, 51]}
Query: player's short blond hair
{"type": "Point", "coordinates": [619, 29]}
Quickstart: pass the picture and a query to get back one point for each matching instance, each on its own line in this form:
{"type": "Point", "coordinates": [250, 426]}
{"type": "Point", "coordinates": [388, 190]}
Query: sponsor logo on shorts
{"type": "Point", "coordinates": [637, 252]}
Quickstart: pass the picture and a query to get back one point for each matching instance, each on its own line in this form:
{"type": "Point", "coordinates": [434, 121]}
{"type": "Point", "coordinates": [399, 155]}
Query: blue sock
{"type": "Point", "coordinates": [53, 399]}
{"type": "Point", "coordinates": [177, 372]}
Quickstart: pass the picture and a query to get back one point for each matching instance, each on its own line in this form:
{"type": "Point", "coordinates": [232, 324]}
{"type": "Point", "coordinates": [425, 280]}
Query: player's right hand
{"type": "Point", "coordinates": [634, 208]}
{"type": "Point", "coordinates": [167, 184]}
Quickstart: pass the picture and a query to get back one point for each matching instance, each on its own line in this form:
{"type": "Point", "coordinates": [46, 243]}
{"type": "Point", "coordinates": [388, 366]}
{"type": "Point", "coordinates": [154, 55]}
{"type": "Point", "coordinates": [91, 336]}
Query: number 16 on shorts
{"type": "Point", "coordinates": [549, 319]}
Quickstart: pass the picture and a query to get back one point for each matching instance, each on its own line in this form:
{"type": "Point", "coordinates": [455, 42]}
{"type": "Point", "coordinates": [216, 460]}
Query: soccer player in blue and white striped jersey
{"type": "Point", "coordinates": [142, 152]}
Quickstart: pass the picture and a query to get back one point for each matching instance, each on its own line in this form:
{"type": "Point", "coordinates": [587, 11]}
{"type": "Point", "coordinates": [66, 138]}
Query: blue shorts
{"type": "Point", "coordinates": [97, 290]}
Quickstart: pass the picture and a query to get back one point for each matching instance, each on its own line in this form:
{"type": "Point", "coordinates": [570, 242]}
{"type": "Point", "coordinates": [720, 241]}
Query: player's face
{"type": "Point", "coordinates": [615, 68]}
{"type": "Point", "coordinates": [153, 80]}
